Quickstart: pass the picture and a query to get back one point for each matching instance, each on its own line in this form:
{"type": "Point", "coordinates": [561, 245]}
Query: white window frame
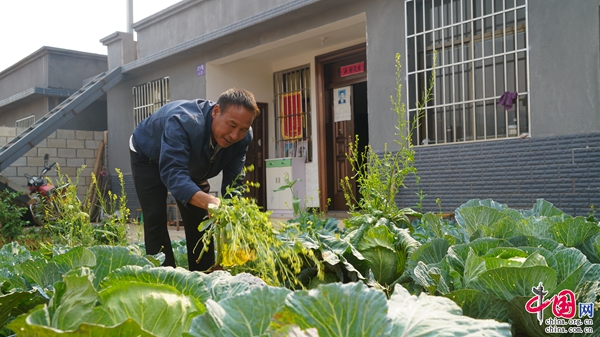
{"type": "Point", "coordinates": [465, 107]}
{"type": "Point", "coordinates": [149, 97]}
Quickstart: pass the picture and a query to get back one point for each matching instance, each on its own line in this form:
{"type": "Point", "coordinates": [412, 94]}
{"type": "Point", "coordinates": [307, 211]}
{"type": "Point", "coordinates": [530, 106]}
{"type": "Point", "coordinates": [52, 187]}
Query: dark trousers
{"type": "Point", "coordinates": [152, 194]}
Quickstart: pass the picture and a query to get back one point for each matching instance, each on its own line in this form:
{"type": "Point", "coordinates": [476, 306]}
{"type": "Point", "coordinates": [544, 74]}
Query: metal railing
{"type": "Point", "coordinates": [482, 53]}
{"type": "Point", "coordinates": [149, 97]}
{"type": "Point", "coordinates": [293, 113]}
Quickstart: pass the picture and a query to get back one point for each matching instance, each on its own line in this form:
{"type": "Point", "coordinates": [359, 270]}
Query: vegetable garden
{"type": "Point", "coordinates": [384, 271]}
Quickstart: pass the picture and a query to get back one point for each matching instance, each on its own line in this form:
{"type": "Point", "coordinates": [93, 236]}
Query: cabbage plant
{"type": "Point", "coordinates": [504, 254]}
{"type": "Point", "coordinates": [114, 291]}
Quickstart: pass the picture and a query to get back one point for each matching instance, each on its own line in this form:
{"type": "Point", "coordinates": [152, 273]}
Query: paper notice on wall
{"type": "Point", "coordinates": [342, 110]}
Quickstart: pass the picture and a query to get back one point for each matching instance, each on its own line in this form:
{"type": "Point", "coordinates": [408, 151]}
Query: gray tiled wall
{"type": "Point", "coordinates": [564, 170]}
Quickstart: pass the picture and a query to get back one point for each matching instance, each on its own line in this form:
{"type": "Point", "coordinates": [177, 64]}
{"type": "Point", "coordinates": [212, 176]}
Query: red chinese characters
{"type": "Point", "coordinates": [563, 304]}
{"type": "Point", "coordinates": [352, 69]}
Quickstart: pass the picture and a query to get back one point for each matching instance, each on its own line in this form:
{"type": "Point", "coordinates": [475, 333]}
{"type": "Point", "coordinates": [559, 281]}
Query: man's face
{"type": "Point", "coordinates": [230, 126]}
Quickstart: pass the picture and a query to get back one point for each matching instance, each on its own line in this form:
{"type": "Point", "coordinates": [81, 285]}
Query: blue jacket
{"type": "Point", "coordinates": [177, 136]}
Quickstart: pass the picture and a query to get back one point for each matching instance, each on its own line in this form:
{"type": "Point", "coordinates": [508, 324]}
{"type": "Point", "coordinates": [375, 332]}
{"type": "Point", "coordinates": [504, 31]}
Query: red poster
{"type": "Point", "coordinates": [291, 115]}
{"type": "Point", "coordinates": [352, 69]}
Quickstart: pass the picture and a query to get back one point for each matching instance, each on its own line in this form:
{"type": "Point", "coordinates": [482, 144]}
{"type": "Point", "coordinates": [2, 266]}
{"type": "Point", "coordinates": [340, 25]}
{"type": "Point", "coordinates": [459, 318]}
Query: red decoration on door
{"type": "Point", "coordinates": [352, 69]}
{"type": "Point", "coordinates": [291, 115]}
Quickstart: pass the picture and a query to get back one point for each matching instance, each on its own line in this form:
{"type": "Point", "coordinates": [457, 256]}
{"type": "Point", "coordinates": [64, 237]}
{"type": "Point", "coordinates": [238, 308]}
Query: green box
{"type": "Point", "coordinates": [279, 162]}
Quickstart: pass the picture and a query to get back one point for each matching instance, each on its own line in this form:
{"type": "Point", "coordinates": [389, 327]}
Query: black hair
{"type": "Point", "coordinates": [238, 97]}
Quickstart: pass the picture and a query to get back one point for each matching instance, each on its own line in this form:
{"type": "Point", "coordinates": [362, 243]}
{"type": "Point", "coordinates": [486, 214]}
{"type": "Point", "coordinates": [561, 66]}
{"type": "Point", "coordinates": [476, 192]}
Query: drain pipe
{"type": "Point", "coordinates": [129, 16]}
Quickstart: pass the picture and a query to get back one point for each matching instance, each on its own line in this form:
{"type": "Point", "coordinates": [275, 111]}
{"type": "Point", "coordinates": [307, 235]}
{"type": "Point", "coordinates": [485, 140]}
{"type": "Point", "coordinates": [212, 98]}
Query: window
{"type": "Point", "coordinates": [292, 113]}
{"type": "Point", "coordinates": [149, 97]}
{"type": "Point", "coordinates": [482, 54]}
{"type": "Point", "coordinates": [25, 122]}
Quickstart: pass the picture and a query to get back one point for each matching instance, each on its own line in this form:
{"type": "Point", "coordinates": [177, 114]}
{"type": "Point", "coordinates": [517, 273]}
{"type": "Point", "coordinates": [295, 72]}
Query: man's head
{"type": "Point", "coordinates": [232, 116]}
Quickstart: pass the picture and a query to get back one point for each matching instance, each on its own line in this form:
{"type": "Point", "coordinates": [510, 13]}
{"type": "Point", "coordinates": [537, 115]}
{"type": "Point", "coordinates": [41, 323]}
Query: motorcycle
{"type": "Point", "coordinates": [42, 194]}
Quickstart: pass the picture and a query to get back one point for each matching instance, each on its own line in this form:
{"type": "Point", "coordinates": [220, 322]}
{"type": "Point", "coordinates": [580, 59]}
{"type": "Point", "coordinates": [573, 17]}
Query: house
{"type": "Point", "coordinates": [515, 114]}
{"type": "Point", "coordinates": [33, 87]}
{"type": "Point", "coordinates": [42, 80]}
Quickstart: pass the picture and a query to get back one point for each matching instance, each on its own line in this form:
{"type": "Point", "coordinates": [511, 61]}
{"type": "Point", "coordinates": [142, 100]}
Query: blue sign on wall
{"type": "Point", "coordinates": [200, 70]}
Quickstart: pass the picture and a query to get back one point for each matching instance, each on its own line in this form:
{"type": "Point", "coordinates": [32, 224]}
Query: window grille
{"type": "Point", "coordinates": [25, 122]}
{"type": "Point", "coordinates": [149, 97]}
{"type": "Point", "coordinates": [481, 55]}
{"type": "Point", "coordinates": [293, 113]}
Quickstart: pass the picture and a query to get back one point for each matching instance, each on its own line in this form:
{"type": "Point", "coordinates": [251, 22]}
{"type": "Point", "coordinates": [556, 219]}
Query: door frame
{"type": "Point", "coordinates": [320, 62]}
{"type": "Point", "coordinates": [261, 155]}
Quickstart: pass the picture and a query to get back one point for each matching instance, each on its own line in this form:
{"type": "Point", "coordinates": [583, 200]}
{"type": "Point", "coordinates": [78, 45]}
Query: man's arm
{"type": "Point", "coordinates": [173, 163]}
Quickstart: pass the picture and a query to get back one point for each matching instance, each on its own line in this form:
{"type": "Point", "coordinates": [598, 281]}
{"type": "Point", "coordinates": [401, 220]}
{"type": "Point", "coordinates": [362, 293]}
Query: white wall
{"type": "Point", "coordinates": [251, 75]}
{"type": "Point", "coordinates": [312, 169]}
{"type": "Point", "coordinates": [257, 77]}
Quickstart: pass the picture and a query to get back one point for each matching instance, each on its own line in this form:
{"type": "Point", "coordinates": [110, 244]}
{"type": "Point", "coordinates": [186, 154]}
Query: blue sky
{"type": "Point", "coordinates": [68, 24]}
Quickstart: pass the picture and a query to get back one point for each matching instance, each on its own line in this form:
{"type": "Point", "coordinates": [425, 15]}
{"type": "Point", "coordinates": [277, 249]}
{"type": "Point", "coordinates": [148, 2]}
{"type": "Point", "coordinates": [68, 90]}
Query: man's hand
{"type": "Point", "coordinates": [203, 200]}
{"type": "Point", "coordinates": [212, 207]}
{"type": "Point", "coordinates": [215, 203]}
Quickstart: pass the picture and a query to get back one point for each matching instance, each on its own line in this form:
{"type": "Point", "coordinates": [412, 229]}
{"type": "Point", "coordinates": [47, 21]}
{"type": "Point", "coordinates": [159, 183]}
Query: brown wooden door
{"type": "Point", "coordinates": [256, 156]}
{"type": "Point", "coordinates": [335, 137]}
{"type": "Point", "coordinates": [343, 134]}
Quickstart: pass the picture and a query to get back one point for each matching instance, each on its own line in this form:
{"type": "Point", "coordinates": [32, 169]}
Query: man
{"type": "Point", "coordinates": [342, 97]}
{"type": "Point", "coordinates": [177, 149]}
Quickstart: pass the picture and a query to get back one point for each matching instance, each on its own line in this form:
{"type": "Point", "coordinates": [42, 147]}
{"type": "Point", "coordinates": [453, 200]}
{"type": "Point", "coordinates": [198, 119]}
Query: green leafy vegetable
{"type": "Point", "coordinates": [433, 316]}
{"type": "Point", "coordinates": [337, 310]}
{"type": "Point", "coordinates": [232, 317]}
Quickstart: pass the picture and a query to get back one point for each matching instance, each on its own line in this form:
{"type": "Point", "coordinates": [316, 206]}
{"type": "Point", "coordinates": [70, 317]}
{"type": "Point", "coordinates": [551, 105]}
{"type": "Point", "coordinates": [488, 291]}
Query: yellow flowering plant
{"type": "Point", "coordinates": [113, 229]}
{"type": "Point", "coordinates": [67, 220]}
{"type": "Point", "coordinates": [247, 240]}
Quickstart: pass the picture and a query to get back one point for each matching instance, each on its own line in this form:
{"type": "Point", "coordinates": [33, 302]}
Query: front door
{"type": "Point", "coordinates": [256, 157]}
{"type": "Point", "coordinates": [341, 77]}
{"type": "Point", "coordinates": [343, 132]}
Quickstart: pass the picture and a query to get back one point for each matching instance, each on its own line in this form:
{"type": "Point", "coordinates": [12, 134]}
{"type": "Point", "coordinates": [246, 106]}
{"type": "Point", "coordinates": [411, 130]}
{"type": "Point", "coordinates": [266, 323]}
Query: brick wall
{"type": "Point", "coordinates": [71, 149]}
{"type": "Point", "coordinates": [564, 170]}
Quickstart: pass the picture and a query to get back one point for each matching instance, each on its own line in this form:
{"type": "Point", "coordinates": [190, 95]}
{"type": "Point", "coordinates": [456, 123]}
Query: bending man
{"type": "Point", "coordinates": [177, 149]}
